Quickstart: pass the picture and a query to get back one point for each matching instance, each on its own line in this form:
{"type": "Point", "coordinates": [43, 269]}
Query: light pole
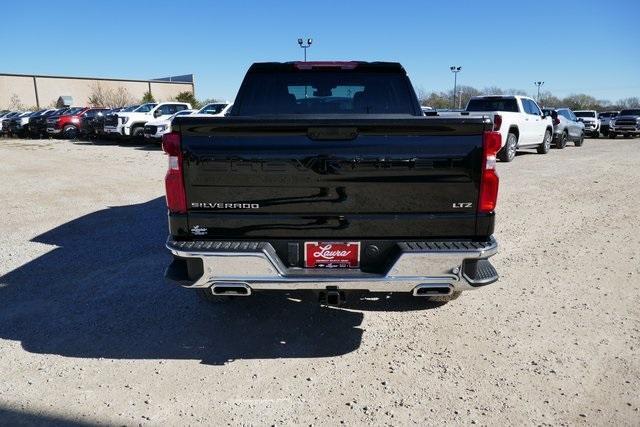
{"type": "Point", "coordinates": [459, 99]}
{"type": "Point", "coordinates": [538, 84]}
{"type": "Point", "coordinates": [455, 70]}
{"type": "Point", "coordinates": [306, 46]}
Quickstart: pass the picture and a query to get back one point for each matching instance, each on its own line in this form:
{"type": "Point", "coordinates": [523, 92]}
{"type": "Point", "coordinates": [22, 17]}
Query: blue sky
{"type": "Point", "coordinates": [574, 46]}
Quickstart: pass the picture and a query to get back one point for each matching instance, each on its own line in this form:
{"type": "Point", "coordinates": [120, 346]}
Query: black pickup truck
{"type": "Point", "coordinates": [327, 176]}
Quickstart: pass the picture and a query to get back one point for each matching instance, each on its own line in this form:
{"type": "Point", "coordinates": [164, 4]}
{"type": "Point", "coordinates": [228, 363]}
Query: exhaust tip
{"type": "Point", "coordinates": [432, 290]}
{"type": "Point", "coordinates": [231, 289]}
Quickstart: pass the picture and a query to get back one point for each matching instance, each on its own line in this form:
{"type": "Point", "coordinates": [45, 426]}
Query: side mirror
{"type": "Point", "coordinates": [157, 113]}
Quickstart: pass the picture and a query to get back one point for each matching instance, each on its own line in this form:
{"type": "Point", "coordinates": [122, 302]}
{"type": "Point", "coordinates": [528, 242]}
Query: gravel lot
{"type": "Point", "coordinates": [90, 333]}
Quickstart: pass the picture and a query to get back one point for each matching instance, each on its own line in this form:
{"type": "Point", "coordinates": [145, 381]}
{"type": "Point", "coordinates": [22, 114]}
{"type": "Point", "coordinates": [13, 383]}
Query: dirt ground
{"type": "Point", "coordinates": [90, 333]}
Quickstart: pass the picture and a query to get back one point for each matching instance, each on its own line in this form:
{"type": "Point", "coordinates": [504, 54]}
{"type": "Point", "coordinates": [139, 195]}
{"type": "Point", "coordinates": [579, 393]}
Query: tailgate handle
{"type": "Point", "coordinates": [332, 133]}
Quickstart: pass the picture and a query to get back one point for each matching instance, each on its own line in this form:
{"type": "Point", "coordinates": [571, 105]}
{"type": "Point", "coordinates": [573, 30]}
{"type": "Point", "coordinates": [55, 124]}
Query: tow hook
{"type": "Point", "coordinates": [332, 297]}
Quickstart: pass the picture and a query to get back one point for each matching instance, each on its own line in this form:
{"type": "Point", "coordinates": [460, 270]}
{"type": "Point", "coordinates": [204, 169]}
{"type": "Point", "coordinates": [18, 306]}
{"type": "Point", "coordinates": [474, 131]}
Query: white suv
{"type": "Point", "coordinates": [132, 123]}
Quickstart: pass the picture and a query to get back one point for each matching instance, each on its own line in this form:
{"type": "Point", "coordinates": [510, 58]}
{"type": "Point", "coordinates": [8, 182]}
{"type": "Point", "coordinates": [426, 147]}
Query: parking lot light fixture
{"type": "Point", "coordinates": [539, 83]}
{"type": "Point", "coordinates": [455, 69]}
{"type": "Point", "coordinates": [305, 45]}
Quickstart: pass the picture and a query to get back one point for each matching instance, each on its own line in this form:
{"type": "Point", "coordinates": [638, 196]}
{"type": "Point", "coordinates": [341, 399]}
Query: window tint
{"type": "Point", "coordinates": [493, 104]}
{"type": "Point", "coordinates": [167, 109]}
{"type": "Point", "coordinates": [95, 112]}
{"type": "Point", "coordinates": [212, 109]}
{"type": "Point", "coordinates": [73, 111]}
{"type": "Point", "coordinates": [325, 92]}
{"type": "Point", "coordinates": [534, 108]}
{"type": "Point", "coordinates": [145, 108]}
{"type": "Point", "coordinates": [585, 114]}
{"type": "Point", "coordinates": [180, 107]}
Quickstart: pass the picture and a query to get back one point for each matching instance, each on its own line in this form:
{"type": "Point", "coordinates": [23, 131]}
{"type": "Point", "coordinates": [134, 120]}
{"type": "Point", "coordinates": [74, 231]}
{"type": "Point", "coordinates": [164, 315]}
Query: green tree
{"type": "Point", "coordinates": [188, 97]}
{"type": "Point", "coordinates": [147, 97]}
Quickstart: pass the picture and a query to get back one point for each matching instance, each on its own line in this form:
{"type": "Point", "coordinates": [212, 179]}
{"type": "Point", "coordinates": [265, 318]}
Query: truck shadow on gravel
{"type": "Point", "coordinates": [100, 293]}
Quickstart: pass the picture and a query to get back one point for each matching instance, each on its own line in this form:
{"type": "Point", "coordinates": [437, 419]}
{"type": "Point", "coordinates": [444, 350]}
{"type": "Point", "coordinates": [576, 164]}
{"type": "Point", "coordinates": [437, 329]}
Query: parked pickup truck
{"type": "Point", "coordinates": [154, 129]}
{"type": "Point", "coordinates": [519, 120]}
{"type": "Point", "coordinates": [131, 123]}
{"type": "Point", "coordinates": [326, 176]}
{"type": "Point", "coordinates": [591, 122]}
{"type": "Point", "coordinates": [627, 123]}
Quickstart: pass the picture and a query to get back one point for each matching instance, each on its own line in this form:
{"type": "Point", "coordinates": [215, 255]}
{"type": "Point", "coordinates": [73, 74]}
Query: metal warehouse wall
{"type": "Point", "coordinates": [42, 91]}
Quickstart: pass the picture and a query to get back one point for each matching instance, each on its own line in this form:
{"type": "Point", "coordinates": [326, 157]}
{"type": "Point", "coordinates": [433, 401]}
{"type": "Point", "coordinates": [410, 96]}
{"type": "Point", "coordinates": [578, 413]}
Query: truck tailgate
{"type": "Point", "coordinates": [332, 177]}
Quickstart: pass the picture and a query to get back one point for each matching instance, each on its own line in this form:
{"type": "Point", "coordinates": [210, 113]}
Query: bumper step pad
{"type": "Point", "coordinates": [479, 272]}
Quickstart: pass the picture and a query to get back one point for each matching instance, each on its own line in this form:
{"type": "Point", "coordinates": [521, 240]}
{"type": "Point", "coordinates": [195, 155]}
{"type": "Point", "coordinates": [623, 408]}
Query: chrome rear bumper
{"type": "Point", "coordinates": [460, 265]}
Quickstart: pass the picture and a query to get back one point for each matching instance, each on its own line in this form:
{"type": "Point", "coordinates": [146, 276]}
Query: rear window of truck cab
{"type": "Point", "coordinates": [326, 92]}
{"type": "Point", "coordinates": [493, 104]}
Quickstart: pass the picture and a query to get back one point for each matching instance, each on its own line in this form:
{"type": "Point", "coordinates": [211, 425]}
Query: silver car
{"type": "Point", "coordinates": [566, 127]}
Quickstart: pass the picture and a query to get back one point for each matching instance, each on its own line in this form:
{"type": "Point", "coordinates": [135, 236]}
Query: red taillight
{"type": "Point", "coordinates": [497, 122]}
{"type": "Point", "coordinates": [173, 181]}
{"type": "Point", "coordinates": [489, 180]}
{"type": "Point", "coordinates": [556, 121]}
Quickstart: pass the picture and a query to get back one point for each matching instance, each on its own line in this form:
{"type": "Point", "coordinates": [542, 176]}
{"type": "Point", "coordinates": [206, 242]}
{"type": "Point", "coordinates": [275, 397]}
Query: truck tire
{"type": "Point", "coordinates": [612, 135]}
{"type": "Point", "coordinates": [137, 133]}
{"type": "Point", "coordinates": [70, 132]}
{"type": "Point", "coordinates": [508, 152]}
{"type": "Point", "coordinates": [579, 141]}
{"type": "Point", "coordinates": [562, 141]}
{"type": "Point", "coordinates": [546, 143]}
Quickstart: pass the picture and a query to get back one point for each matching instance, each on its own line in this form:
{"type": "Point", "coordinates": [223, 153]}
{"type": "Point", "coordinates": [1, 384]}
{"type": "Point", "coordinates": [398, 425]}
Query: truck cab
{"type": "Point", "coordinates": [131, 124]}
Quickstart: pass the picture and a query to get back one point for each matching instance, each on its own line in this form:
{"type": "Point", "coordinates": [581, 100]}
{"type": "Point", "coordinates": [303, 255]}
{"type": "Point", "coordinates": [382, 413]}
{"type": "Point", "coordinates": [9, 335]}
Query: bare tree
{"type": "Point", "coordinates": [101, 97]}
{"type": "Point", "coordinates": [492, 90]}
{"type": "Point", "coordinates": [120, 97]}
{"type": "Point", "coordinates": [633, 102]}
{"type": "Point", "coordinates": [15, 103]}
{"type": "Point", "coordinates": [547, 99]}
{"type": "Point", "coordinates": [98, 96]}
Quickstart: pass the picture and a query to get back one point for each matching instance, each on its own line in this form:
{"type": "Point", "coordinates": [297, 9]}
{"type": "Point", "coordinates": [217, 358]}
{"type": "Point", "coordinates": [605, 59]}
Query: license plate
{"type": "Point", "coordinates": [332, 254]}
